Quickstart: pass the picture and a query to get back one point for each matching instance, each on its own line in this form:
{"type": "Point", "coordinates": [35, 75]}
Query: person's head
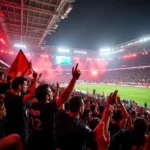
{"type": "Point", "coordinates": [101, 109]}
{"type": "Point", "coordinates": [133, 114]}
{"type": "Point", "coordinates": [94, 122]}
{"type": "Point", "coordinates": [117, 115]}
{"type": "Point", "coordinates": [76, 105]}
{"type": "Point", "coordinates": [9, 78]}
{"type": "Point", "coordinates": [87, 104]}
{"type": "Point", "coordinates": [43, 93]}
{"type": "Point", "coordinates": [67, 106]}
{"type": "Point", "coordinates": [93, 107]}
{"type": "Point", "coordinates": [139, 114]}
{"type": "Point", "coordinates": [2, 75]}
{"type": "Point", "coordinates": [140, 126]}
{"type": "Point", "coordinates": [145, 114]}
{"type": "Point", "coordinates": [86, 116]}
{"type": "Point", "coordinates": [20, 84]}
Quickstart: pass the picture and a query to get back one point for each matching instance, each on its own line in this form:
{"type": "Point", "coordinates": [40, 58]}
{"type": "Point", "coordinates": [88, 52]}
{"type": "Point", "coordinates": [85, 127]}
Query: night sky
{"type": "Point", "coordinates": [93, 24]}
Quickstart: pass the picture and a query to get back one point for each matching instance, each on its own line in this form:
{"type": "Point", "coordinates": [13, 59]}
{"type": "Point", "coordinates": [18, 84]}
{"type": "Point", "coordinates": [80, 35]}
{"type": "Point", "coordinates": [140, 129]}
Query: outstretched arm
{"type": "Point", "coordinates": [30, 96]}
{"type": "Point", "coordinates": [67, 92]}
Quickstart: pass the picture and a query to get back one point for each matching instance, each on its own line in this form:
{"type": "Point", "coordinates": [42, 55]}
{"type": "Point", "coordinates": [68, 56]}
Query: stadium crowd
{"type": "Point", "coordinates": [132, 76]}
{"type": "Point", "coordinates": [41, 116]}
{"type": "Point", "coordinates": [139, 60]}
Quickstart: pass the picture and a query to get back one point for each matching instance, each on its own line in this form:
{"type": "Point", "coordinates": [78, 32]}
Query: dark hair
{"type": "Point", "coordinates": [92, 107]}
{"type": "Point", "coordinates": [94, 122]}
{"type": "Point", "coordinates": [140, 126]}
{"type": "Point", "coordinates": [41, 92]}
{"type": "Point", "coordinates": [85, 113]}
{"type": "Point", "coordinates": [75, 104]}
{"type": "Point", "coordinates": [133, 112]}
{"type": "Point", "coordinates": [66, 106]}
{"type": "Point", "coordinates": [101, 108]}
{"type": "Point", "coordinates": [139, 114]}
{"type": "Point", "coordinates": [18, 81]}
{"type": "Point", "coordinates": [117, 115]}
{"type": "Point", "coordinates": [9, 78]}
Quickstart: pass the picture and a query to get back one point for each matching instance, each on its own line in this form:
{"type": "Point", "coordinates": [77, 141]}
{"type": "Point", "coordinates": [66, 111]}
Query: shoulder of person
{"type": "Point", "coordinates": [124, 132]}
{"type": "Point", "coordinates": [61, 113]}
{"type": "Point", "coordinates": [36, 105]}
{"type": "Point", "coordinates": [11, 96]}
{"type": "Point", "coordinates": [83, 127]}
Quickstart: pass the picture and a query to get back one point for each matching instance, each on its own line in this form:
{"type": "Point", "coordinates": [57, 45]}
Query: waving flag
{"type": "Point", "coordinates": [19, 66]}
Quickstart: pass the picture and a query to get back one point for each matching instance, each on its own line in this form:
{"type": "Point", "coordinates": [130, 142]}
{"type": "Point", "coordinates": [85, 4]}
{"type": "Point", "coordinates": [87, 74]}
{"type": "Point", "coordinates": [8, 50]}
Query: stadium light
{"type": "Point", "coordinates": [63, 50]}
{"type": "Point", "coordinates": [105, 49]}
{"type": "Point", "coordinates": [67, 10]}
{"type": "Point", "coordinates": [111, 52]}
{"type": "Point", "coordinates": [144, 39]}
{"type": "Point", "coordinates": [19, 46]}
{"type": "Point", "coordinates": [80, 52]}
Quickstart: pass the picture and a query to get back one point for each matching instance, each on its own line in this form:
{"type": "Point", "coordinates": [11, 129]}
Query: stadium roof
{"type": "Point", "coordinates": [138, 45]}
{"type": "Point", "coordinates": [29, 21]}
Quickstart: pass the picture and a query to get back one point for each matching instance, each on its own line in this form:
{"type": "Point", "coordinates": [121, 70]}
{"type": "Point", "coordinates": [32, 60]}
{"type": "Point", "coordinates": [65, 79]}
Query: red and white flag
{"type": "Point", "coordinates": [19, 66]}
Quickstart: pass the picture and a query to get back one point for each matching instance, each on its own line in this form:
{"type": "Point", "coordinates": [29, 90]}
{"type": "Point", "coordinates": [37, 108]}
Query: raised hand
{"type": "Point", "coordinates": [35, 75]}
{"type": "Point", "coordinates": [112, 98]}
{"type": "Point", "coordinates": [102, 139]}
{"type": "Point", "coordinates": [76, 72]}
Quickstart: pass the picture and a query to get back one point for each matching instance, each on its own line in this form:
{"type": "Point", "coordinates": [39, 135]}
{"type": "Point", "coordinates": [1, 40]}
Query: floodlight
{"type": "Point", "coordinates": [19, 46]}
{"type": "Point", "coordinates": [105, 49]}
{"type": "Point", "coordinates": [80, 52]}
{"type": "Point", "coordinates": [63, 50]}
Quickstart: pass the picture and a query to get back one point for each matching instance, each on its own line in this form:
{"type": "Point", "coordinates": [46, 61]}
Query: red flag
{"type": "Point", "coordinates": [19, 66]}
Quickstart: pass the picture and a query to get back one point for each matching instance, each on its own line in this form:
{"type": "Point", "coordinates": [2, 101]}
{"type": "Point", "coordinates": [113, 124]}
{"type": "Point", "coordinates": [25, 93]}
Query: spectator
{"type": "Point", "coordinates": [42, 114]}
{"type": "Point", "coordinates": [128, 139]}
{"type": "Point", "coordinates": [114, 124]}
{"type": "Point", "coordinates": [69, 129]}
{"type": "Point", "coordinates": [16, 108]}
{"type": "Point", "coordinates": [86, 116]}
